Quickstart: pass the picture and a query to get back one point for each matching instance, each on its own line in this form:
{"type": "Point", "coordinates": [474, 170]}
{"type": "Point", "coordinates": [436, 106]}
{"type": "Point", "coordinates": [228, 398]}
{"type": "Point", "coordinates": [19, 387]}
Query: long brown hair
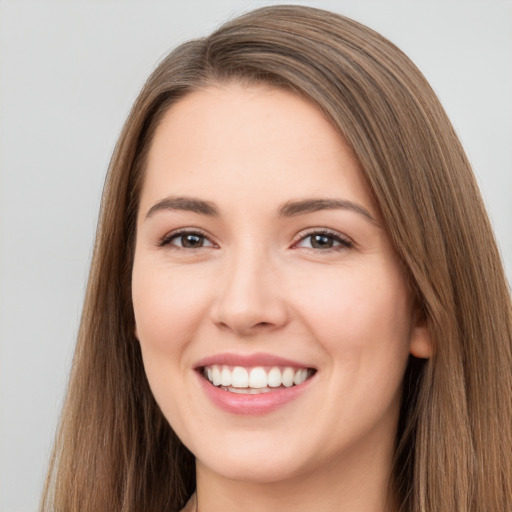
{"type": "Point", "coordinates": [115, 451]}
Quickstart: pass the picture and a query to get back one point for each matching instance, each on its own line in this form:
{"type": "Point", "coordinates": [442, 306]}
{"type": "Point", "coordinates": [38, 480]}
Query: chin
{"type": "Point", "coordinates": [256, 472]}
{"type": "Point", "coordinates": [256, 462]}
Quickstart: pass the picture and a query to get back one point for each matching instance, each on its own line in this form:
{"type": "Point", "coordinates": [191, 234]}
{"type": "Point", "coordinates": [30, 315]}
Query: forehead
{"type": "Point", "coordinates": [241, 142]}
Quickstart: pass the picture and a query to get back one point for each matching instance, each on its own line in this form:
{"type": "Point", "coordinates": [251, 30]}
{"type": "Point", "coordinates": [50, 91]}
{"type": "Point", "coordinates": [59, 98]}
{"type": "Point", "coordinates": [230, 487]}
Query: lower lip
{"type": "Point", "coordinates": [263, 403]}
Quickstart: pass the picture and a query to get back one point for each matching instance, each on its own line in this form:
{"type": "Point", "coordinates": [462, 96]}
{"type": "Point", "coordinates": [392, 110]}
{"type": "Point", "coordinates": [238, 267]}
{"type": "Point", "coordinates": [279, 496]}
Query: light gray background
{"type": "Point", "coordinates": [69, 73]}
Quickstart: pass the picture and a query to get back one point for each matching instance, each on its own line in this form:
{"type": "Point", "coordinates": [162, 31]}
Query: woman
{"type": "Point", "coordinates": [295, 298]}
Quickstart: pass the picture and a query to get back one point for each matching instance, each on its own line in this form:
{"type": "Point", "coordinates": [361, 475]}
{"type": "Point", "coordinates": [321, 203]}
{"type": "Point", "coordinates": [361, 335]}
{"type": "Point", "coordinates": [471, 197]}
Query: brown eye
{"type": "Point", "coordinates": [191, 241]}
{"type": "Point", "coordinates": [187, 240]}
{"type": "Point", "coordinates": [324, 241]}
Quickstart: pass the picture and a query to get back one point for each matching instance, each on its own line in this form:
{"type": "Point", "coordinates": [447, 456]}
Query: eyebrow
{"type": "Point", "coordinates": [292, 208]}
{"type": "Point", "coordinates": [188, 204]}
{"type": "Point", "coordinates": [288, 209]}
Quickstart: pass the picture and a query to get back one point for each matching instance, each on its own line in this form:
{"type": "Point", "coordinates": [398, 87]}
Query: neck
{"type": "Point", "coordinates": [357, 483]}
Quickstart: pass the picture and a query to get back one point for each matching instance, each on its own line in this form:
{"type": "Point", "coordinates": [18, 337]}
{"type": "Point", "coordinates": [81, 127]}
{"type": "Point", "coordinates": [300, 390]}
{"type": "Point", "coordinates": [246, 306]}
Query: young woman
{"type": "Point", "coordinates": [296, 301]}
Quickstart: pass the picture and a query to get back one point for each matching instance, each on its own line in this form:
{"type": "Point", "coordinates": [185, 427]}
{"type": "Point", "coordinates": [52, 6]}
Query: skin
{"type": "Point", "coordinates": [256, 284]}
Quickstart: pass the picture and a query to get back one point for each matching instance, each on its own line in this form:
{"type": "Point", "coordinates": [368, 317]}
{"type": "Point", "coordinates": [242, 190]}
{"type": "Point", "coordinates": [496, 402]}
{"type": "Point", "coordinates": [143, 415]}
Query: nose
{"type": "Point", "coordinates": [249, 299]}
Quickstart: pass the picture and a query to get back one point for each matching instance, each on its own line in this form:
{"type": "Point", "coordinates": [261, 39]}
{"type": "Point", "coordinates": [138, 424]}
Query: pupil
{"type": "Point", "coordinates": [191, 241]}
{"type": "Point", "coordinates": [321, 241]}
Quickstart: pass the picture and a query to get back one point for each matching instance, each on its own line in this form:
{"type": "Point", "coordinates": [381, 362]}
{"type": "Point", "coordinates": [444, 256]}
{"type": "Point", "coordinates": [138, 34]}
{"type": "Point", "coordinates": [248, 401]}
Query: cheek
{"type": "Point", "coordinates": [169, 306]}
{"type": "Point", "coordinates": [362, 318]}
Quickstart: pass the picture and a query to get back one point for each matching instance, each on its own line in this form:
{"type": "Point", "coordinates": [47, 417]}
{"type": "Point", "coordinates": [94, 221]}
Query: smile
{"type": "Point", "coordinates": [253, 384]}
{"type": "Point", "coordinates": [255, 380]}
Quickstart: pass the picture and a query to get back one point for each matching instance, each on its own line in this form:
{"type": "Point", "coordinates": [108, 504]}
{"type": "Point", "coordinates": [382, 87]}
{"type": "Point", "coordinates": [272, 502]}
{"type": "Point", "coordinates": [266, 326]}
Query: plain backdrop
{"type": "Point", "coordinates": [69, 72]}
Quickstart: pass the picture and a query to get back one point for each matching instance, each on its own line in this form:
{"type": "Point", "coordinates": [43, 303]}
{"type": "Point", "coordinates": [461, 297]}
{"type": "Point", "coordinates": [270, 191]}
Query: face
{"type": "Point", "coordinates": [273, 315]}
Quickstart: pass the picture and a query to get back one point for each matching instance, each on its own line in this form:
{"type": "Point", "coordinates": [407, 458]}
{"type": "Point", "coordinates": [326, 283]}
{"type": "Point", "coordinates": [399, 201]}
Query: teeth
{"type": "Point", "coordinates": [240, 378]}
{"type": "Point", "coordinates": [258, 378]}
{"type": "Point", "coordinates": [287, 377]}
{"type": "Point", "coordinates": [274, 378]}
{"type": "Point", "coordinates": [300, 376]}
{"type": "Point", "coordinates": [225, 377]}
{"type": "Point", "coordinates": [254, 380]}
{"type": "Point", "coordinates": [216, 376]}
{"type": "Point", "coordinates": [247, 391]}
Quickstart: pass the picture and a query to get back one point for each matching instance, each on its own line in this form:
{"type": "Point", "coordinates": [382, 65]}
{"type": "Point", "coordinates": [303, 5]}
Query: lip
{"type": "Point", "coordinates": [247, 404]}
{"type": "Point", "coordinates": [250, 361]}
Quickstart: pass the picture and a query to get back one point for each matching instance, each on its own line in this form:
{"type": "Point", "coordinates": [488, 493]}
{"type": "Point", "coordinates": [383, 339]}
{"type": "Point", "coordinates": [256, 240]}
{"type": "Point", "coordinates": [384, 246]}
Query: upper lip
{"type": "Point", "coordinates": [249, 360]}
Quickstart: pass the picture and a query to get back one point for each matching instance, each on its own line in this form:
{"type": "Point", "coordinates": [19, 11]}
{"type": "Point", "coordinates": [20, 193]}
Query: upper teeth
{"type": "Point", "coordinates": [258, 377]}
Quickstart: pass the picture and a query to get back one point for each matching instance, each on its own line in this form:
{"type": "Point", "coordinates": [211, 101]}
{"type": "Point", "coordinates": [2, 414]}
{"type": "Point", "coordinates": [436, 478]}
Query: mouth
{"type": "Point", "coordinates": [254, 380]}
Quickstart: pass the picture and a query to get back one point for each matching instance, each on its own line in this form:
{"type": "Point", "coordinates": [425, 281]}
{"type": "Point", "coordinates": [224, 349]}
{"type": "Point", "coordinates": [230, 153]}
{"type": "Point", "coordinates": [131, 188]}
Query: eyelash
{"type": "Point", "coordinates": [167, 239]}
{"type": "Point", "coordinates": [343, 242]}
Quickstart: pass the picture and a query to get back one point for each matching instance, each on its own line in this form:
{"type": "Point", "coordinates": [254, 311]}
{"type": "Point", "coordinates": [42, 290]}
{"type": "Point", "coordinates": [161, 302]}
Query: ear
{"type": "Point", "coordinates": [420, 344]}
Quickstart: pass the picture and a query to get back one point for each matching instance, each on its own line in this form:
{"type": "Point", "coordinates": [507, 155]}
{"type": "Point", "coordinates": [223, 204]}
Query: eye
{"type": "Point", "coordinates": [186, 240]}
{"type": "Point", "coordinates": [324, 240]}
